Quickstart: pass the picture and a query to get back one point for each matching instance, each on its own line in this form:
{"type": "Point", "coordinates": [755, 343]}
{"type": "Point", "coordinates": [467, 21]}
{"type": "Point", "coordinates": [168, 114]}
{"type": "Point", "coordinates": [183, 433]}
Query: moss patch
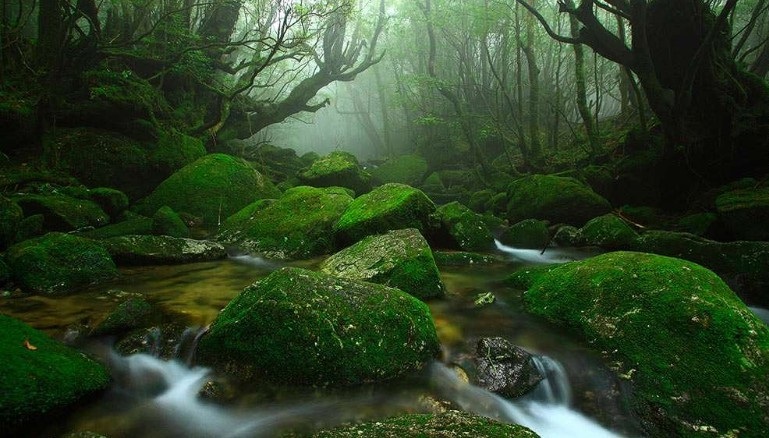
{"type": "Point", "coordinates": [401, 259]}
{"type": "Point", "coordinates": [462, 228]}
{"type": "Point", "coordinates": [528, 233]}
{"type": "Point", "coordinates": [337, 169]}
{"type": "Point", "coordinates": [167, 222]}
{"type": "Point", "coordinates": [302, 327]}
{"type": "Point", "coordinates": [696, 355]}
{"type": "Point", "coordinates": [608, 231]}
{"type": "Point", "coordinates": [58, 262]}
{"type": "Point", "coordinates": [297, 225]}
{"type": "Point", "coordinates": [37, 381]}
{"type": "Point", "coordinates": [389, 207]}
{"type": "Point", "coordinates": [745, 213]}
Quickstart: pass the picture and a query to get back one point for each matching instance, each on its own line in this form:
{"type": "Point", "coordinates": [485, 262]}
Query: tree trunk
{"type": "Point", "coordinates": [579, 75]}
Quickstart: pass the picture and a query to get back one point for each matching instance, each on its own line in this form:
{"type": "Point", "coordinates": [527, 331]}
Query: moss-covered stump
{"type": "Point", "coordinates": [462, 228]}
{"type": "Point", "coordinates": [10, 216]}
{"type": "Point", "coordinates": [213, 187]}
{"type": "Point", "coordinates": [40, 376]}
{"type": "Point", "coordinates": [449, 424]}
{"type": "Point", "coordinates": [130, 226]}
{"type": "Point", "coordinates": [161, 250]}
{"type": "Point", "coordinates": [302, 327]}
{"type": "Point", "coordinates": [401, 259]}
{"type": "Point", "coordinates": [745, 213]}
{"type": "Point", "coordinates": [404, 169]}
{"type": "Point", "coordinates": [337, 169]}
{"type": "Point", "coordinates": [464, 258]}
{"type": "Point", "coordinates": [608, 231]}
{"type": "Point", "coordinates": [63, 213]}
{"type": "Point", "coordinates": [388, 207]}
{"type": "Point", "coordinates": [528, 233]}
{"type": "Point", "coordinates": [112, 201]}
{"type": "Point", "coordinates": [58, 262]}
{"type": "Point", "coordinates": [166, 222]}
{"type": "Point", "coordinates": [696, 356]}
{"type": "Point", "coordinates": [297, 225]}
{"type": "Point", "coordinates": [554, 198]}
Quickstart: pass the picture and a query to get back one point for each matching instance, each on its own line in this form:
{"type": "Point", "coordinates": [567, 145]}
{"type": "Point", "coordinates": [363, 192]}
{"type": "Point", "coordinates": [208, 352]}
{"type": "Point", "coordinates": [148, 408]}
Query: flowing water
{"type": "Point", "coordinates": [155, 398]}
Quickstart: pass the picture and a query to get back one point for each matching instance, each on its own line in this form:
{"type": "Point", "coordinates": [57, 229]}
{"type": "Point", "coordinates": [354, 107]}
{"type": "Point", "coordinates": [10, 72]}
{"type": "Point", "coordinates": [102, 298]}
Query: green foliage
{"type": "Point", "coordinates": [39, 381]}
{"type": "Point", "coordinates": [307, 328]}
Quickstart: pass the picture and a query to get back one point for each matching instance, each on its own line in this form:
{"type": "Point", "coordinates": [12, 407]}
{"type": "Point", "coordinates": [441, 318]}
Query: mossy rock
{"type": "Point", "coordinates": [161, 250]}
{"type": "Point", "coordinates": [30, 226]}
{"type": "Point", "coordinates": [464, 179]}
{"type": "Point", "coordinates": [554, 198]}
{"type": "Point", "coordinates": [297, 225]}
{"type": "Point", "coordinates": [112, 201]}
{"type": "Point", "coordinates": [280, 164]}
{"type": "Point", "coordinates": [449, 424]}
{"type": "Point", "coordinates": [41, 376]}
{"type": "Point", "coordinates": [404, 169]}
{"type": "Point", "coordinates": [401, 259]}
{"type": "Point", "coordinates": [528, 233]}
{"type": "Point", "coordinates": [388, 207]}
{"type": "Point", "coordinates": [134, 225]}
{"type": "Point", "coordinates": [699, 224]}
{"type": "Point", "coordinates": [433, 183]}
{"type": "Point", "coordinates": [58, 262]}
{"type": "Point", "coordinates": [337, 169]}
{"type": "Point", "coordinates": [130, 314]}
{"type": "Point", "coordinates": [608, 231]}
{"type": "Point", "coordinates": [696, 356]}
{"type": "Point", "coordinates": [480, 200]}
{"type": "Point", "coordinates": [464, 258]}
{"type": "Point", "coordinates": [100, 158]}
{"type": "Point", "coordinates": [745, 213]}
{"type": "Point", "coordinates": [307, 328]}
{"type": "Point", "coordinates": [213, 187]}
{"type": "Point", "coordinates": [10, 216]}
{"type": "Point", "coordinates": [63, 213]}
{"type": "Point", "coordinates": [462, 228]}
{"type": "Point", "coordinates": [568, 236]}
{"type": "Point", "coordinates": [166, 222]}
{"type": "Point", "coordinates": [175, 150]}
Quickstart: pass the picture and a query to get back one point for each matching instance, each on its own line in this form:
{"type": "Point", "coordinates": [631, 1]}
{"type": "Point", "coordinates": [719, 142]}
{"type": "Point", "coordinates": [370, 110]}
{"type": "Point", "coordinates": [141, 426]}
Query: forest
{"type": "Point", "coordinates": [386, 218]}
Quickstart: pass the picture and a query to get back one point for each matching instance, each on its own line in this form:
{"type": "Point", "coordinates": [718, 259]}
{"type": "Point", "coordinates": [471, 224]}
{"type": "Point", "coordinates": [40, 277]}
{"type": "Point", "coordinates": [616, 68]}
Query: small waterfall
{"type": "Point", "coordinates": [254, 261]}
{"type": "Point", "coordinates": [536, 256]}
{"type": "Point", "coordinates": [545, 413]}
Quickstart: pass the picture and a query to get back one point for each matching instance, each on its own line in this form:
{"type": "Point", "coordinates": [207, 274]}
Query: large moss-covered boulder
{"type": "Point", "coordinates": [10, 216]}
{"type": "Point", "coordinates": [608, 231]}
{"type": "Point", "coordinates": [58, 262]}
{"type": "Point", "coordinates": [166, 222]}
{"type": "Point", "coordinates": [174, 150]}
{"type": "Point", "coordinates": [449, 424]}
{"type": "Point", "coordinates": [404, 169]}
{"type": "Point", "coordinates": [696, 356]}
{"type": "Point", "coordinates": [528, 233]}
{"type": "Point", "coordinates": [401, 259]}
{"type": "Point", "coordinates": [63, 213]}
{"type": "Point", "coordinates": [297, 225]}
{"type": "Point", "coordinates": [554, 198]}
{"type": "Point", "coordinates": [745, 213]}
{"type": "Point", "coordinates": [40, 376]}
{"type": "Point", "coordinates": [161, 250]}
{"type": "Point", "coordinates": [302, 327]}
{"type": "Point", "coordinates": [337, 169]}
{"type": "Point", "coordinates": [388, 207]}
{"type": "Point", "coordinates": [112, 201]}
{"type": "Point", "coordinates": [212, 187]}
{"type": "Point", "coordinates": [462, 228]}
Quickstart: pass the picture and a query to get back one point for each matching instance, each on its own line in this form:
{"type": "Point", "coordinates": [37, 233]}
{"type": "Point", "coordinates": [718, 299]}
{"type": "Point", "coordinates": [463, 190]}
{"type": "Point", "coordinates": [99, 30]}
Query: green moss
{"type": "Point", "coordinates": [175, 150]}
{"type": "Point", "coordinates": [112, 201]}
{"type": "Point", "coordinates": [29, 227]}
{"type": "Point", "coordinates": [404, 169]}
{"type": "Point", "coordinates": [388, 207]}
{"type": "Point", "coordinates": [337, 169]}
{"type": "Point", "coordinates": [695, 354]}
{"type": "Point", "coordinates": [167, 222]}
{"type": "Point", "coordinates": [553, 198]}
{"type": "Point", "coordinates": [10, 216]}
{"type": "Point", "coordinates": [161, 250]}
{"type": "Point", "coordinates": [58, 262]}
{"type": "Point", "coordinates": [462, 228]}
{"type": "Point", "coordinates": [698, 224]}
{"type": "Point", "coordinates": [137, 225]}
{"type": "Point", "coordinates": [450, 424]}
{"type": "Point", "coordinates": [745, 213]}
{"type": "Point", "coordinates": [528, 233]}
{"type": "Point", "coordinates": [212, 187]}
{"type": "Point", "coordinates": [37, 382]}
{"type": "Point", "coordinates": [401, 259]}
{"type": "Point", "coordinates": [568, 236]}
{"type": "Point", "coordinates": [63, 213]}
{"type": "Point", "coordinates": [302, 327]}
{"type": "Point", "coordinates": [130, 314]}
{"type": "Point", "coordinates": [433, 183]}
{"type": "Point", "coordinates": [299, 224]}
{"type": "Point", "coordinates": [608, 231]}
{"type": "Point", "coordinates": [480, 200]}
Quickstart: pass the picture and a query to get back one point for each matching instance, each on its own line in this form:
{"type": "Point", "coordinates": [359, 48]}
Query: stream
{"type": "Point", "coordinates": [156, 398]}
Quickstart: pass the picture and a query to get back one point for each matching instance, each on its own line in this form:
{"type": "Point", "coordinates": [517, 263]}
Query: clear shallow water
{"type": "Point", "coordinates": [197, 292]}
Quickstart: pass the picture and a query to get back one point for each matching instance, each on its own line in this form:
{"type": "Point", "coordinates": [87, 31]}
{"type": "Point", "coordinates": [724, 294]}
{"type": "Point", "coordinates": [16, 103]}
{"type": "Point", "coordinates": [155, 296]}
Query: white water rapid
{"type": "Point", "coordinates": [536, 256]}
{"type": "Point", "coordinates": [546, 410]}
{"type": "Point", "coordinates": [254, 261]}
